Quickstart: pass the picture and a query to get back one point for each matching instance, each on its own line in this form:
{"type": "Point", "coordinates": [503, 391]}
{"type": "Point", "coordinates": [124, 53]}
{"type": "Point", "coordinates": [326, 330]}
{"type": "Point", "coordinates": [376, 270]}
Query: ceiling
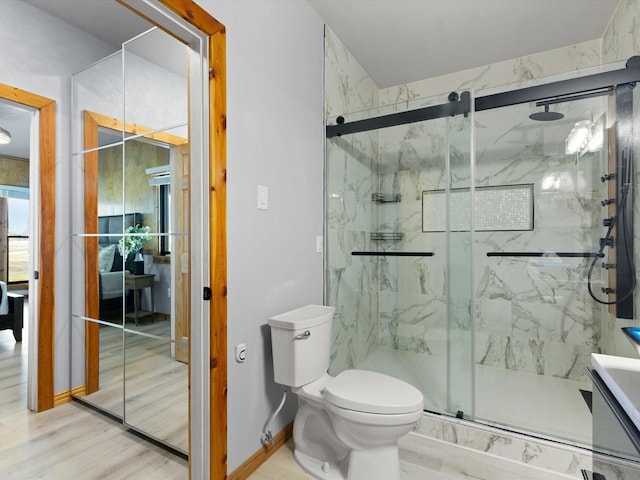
{"type": "Point", "coordinates": [396, 41]}
{"type": "Point", "coordinates": [16, 120]}
{"type": "Point", "coordinates": [401, 41]}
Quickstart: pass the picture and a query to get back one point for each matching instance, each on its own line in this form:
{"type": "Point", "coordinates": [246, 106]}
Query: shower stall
{"type": "Point", "coordinates": [480, 246]}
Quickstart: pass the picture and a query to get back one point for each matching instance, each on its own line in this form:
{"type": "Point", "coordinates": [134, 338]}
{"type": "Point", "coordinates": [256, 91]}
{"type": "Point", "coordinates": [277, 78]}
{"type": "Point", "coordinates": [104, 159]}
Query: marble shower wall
{"type": "Point", "coordinates": [349, 175]}
{"type": "Point", "coordinates": [530, 317]}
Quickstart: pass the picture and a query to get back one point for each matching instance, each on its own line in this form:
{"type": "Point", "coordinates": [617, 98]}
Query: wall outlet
{"type": "Point", "coordinates": [241, 353]}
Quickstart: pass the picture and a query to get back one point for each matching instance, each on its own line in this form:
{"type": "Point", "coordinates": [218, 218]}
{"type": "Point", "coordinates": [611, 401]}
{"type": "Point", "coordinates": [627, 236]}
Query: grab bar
{"type": "Point", "coordinates": [393, 254]}
{"type": "Point", "coordinates": [545, 254]}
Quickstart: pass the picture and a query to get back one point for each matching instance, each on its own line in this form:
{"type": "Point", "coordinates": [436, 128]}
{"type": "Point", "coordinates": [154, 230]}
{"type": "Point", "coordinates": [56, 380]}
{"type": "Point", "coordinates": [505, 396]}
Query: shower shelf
{"type": "Point", "coordinates": [386, 197]}
{"type": "Point", "coordinates": [392, 254]}
{"type": "Point", "coordinates": [545, 254]}
{"type": "Point", "coordinates": [393, 236]}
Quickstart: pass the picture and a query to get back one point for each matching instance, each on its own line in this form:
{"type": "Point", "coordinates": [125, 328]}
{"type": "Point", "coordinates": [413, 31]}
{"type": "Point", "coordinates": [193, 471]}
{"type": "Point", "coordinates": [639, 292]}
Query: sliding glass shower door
{"type": "Point", "coordinates": [542, 198]}
{"type": "Point", "coordinates": [483, 249]}
{"type": "Point", "coordinates": [399, 247]}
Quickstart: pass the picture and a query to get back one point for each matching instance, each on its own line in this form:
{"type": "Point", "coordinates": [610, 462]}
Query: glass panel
{"type": "Point", "coordinates": [155, 66]}
{"type": "Point", "coordinates": [18, 259]}
{"type": "Point", "coordinates": [459, 220]}
{"type": "Point", "coordinates": [156, 385]}
{"type": "Point", "coordinates": [536, 324]}
{"type": "Point", "coordinates": [110, 223]}
{"type": "Point", "coordinates": [97, 89]}
{"type": "Point", "coordinates": [156, 194]}
{"type": "Point", "coordinates": [109, 394]}
{"type": "Point", "coordinates": [17, 239]}
{"type": "Point", "coordinates": [391, 310]}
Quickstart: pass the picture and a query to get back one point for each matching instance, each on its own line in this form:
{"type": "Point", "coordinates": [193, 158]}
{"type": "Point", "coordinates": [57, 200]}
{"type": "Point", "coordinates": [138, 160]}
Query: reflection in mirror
{"type": "Point", "coordinates": [135, 184]}
{"type": "Point", "coordinates": [123, 201]}
{"type": "Point", "coordinates": [110, 392]}
{"type": "Point", "coordinates": [156, 386]}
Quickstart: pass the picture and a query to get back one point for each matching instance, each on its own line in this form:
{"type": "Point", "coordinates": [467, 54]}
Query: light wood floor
{"type": "Point", "coordinates": [280, 466]}
{"type": "Point", "coordinates": [70, 441]}
{"type": "Point", "coordinates": [73, 441]}
{"type": "Point", "coordinates": [143, 384]}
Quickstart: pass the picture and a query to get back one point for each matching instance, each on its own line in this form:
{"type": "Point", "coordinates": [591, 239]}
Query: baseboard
{"type": "Point", "coordinates": [261, 456]}
{"type": "Point", "coordinates": [65, 397]}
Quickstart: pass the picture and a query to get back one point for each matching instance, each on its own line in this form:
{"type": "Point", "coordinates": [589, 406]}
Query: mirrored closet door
{"type": "Point", "coordinates": [131, 224]}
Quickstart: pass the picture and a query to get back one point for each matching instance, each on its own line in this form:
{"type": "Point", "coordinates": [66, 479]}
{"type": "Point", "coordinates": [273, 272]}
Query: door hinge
{"type": "Point", "coordinates": [206, 293]}
{"type": "Point", "coordinates": [36, 275]}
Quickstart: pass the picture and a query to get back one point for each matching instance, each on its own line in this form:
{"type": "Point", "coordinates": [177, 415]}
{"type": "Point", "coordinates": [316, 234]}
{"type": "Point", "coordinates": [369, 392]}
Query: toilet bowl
{"type": "Point", "coordinates": [347, 427]}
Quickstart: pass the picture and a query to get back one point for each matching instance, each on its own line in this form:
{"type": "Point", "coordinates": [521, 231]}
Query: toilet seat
{"type": "Point", "coordinates": [372, 392]}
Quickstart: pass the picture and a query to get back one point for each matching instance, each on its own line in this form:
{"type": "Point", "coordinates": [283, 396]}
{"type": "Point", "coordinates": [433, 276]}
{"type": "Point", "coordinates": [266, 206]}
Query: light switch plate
{"type": "Point", "coordinates": [263, 197]}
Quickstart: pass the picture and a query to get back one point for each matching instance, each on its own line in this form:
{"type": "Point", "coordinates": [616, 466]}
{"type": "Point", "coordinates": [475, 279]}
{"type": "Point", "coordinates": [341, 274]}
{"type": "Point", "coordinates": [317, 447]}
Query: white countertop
{"type": "Point", "coordinates": [622, 376]}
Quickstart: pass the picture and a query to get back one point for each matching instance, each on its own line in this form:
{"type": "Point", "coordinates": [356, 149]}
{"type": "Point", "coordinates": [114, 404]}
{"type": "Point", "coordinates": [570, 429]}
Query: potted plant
{"type": "Point", "coordinates": [132, 243]}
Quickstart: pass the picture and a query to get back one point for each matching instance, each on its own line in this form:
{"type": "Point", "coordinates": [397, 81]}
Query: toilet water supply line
{"type": "Point", "coordinates": [267, 436]}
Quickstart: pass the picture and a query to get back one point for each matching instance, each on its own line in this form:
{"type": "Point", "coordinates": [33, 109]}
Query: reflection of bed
{"type": "Point", "coordinates": [110, 261]}
{"type": "Point", "coordinates": [11, 312]}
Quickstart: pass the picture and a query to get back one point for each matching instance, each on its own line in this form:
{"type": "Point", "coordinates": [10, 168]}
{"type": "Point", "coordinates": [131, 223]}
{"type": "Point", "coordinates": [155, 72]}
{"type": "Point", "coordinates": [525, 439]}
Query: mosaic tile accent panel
{"type": "Point", "coordinates": [508, 207]}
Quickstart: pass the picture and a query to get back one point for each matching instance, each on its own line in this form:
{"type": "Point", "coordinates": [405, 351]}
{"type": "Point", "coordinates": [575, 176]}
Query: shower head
{"type": "Point", "coordinates": [546, 116]}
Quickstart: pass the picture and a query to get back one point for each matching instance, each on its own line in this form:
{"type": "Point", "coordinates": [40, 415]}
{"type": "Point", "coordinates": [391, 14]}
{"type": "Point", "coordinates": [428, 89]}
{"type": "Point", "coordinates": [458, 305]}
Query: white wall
{"type": "Point", "coordinates": [275, 138]}
{"type": "Point", "coordinates": [39, 55]}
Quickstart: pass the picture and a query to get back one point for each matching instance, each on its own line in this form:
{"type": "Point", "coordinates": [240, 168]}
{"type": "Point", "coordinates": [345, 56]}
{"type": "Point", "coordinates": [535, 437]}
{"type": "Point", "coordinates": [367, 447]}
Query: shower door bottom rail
{"type": "Point", "coordinates": [546, 254]}
{"type": "Point", "coordinates": [392, 254]}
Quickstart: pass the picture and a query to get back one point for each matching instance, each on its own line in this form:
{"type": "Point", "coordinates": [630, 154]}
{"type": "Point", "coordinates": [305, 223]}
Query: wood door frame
{"type": "Point", "coordinates": [46, 240]}
{"type": "Point", "coordinates": [195, 15]}
{"type": "Point", "coordinates": [92, 122]}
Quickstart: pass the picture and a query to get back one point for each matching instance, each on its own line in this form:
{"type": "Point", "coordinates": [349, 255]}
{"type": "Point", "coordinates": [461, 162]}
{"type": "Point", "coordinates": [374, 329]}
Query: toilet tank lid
{"type": "Point", "coordinates": [305, 317]}
{"type": "Point", "coordinates": [372, 392]}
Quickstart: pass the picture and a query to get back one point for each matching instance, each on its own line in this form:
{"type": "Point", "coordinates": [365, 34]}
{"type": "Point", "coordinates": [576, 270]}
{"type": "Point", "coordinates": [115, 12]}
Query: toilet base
{"type": "Point", "coordinates": [378, 464]}
{"type": "Point", "coordinates": [318, 469]}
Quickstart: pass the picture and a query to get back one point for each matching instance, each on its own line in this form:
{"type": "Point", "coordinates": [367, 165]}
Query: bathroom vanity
{"type": "Point", "coordinates": [616, 405]}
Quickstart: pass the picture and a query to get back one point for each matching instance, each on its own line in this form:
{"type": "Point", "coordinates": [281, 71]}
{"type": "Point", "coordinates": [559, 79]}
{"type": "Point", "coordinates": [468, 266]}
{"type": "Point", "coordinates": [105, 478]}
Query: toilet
{"type": "Point", "coordinates": [347, 427]}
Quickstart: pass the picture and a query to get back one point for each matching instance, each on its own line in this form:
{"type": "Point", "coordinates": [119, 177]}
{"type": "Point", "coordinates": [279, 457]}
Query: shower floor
{"type": "Point", "coordinates": [547, 407]}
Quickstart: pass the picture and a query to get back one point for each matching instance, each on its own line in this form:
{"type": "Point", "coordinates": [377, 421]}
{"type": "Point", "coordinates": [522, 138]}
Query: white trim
{"type": "Point", "coordinates": [34, 261]}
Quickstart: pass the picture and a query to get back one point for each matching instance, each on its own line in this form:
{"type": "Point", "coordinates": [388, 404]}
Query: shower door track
{"type": "Point", "coordinates": [462, 104]}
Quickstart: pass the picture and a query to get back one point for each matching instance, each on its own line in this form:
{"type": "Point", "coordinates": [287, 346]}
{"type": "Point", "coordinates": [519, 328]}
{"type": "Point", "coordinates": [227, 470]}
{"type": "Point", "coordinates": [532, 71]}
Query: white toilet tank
{"type": "Point", "coordinates": [301, 344]}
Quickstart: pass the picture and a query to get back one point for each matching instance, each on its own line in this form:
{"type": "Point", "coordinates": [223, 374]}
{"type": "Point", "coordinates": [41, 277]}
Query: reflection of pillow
{"type": "Point", "coordinates": [105, 258]}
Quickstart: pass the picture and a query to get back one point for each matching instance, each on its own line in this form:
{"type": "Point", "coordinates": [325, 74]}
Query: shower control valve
{"type": "Point", "coordinates": [607, 177]}
{"type": "Point", "coordinates": [607, 201]}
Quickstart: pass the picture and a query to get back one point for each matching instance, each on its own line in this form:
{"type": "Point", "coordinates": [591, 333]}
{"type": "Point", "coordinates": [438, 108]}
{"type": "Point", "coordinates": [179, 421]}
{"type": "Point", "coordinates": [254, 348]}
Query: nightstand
{"type": "Point", "coordinates": [137, 283]}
